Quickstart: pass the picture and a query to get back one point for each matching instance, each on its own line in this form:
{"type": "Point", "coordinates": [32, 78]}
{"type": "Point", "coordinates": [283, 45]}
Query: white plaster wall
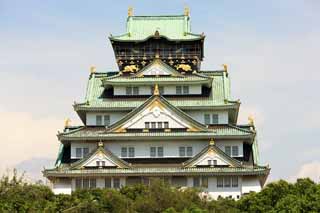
{"type": "Point", "coordinates": [114, 117]}
{"type": "Point", "coordinates": [222, 144]}
{"type": "Point", "coordinates": [75, 145]}
{"type": "Point", "coordinates": [62, 186]}
{"type": "Point", "coordinates": [168, 90]}
{"type": "Point", "coordinates": [142, 149]}
{"type": "Point", "coordinates": [250, 183]}
{"type": "Point", "coordinates": [199, 115]}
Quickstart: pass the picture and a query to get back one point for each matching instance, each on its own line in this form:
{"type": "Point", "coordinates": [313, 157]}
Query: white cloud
{"type": "Point", "coordinates": [311, 170]}
{"type": "Point", "coordinates": [23, 137]}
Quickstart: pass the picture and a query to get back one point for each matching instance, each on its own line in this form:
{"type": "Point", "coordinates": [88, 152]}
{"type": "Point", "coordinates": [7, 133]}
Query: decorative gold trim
{"type": "Point", "coordinates": [156, 90]}
{"type": "Point", "coordinates": [67, 123]}
{"type": "Point", "coordinates": [211, 142]}
{"type": "Point", "coordinates": [130, 11]}
{"type": "Point", "coordinates": [93, 69]}
{"type": "Point", "coordinates": [186, 11]}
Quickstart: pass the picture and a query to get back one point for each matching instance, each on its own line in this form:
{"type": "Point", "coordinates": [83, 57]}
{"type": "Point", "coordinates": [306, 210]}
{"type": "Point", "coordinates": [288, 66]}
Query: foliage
{"type": "Point", "coordinates": [16, 195]}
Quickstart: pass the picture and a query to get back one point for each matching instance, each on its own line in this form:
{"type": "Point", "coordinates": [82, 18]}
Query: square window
{"type": "Point", "coordinates": [78, 183]}
{"type": "Point", "coordinates": [227, 150]}
{"type": "Point", "coordinates": [85, 152]}
{"type": "Point", "coordinates": [204, 182]}
{"type": "Point", "coordinates": [99, 120]}
{"type": "Point", "coordinates": [131, 152]}
{"type": "Point", "coordinates": [196, 182]}
{"type": "Point", "coordinates": [206, 119]}
{"type": "Point", "coordinates": [209, 162]}
{"type": "Point", "coordinates": [178, 90]}
{"type": "Point", "coordinates": [147, 125]}
{"type": "Point", "coordinates": [161, 90]}
{"type": "Point", "coordinates": [124, 153]}
{"type": "Point", "coordinates": [153, 125]}
{"type": "Point", "coordinates": [116, 183]}
{"type": "Point", "coordinates": [135, 90]}
{"type": "Point", "coordinates": [166, 125]}
{"type": "Point", "coordinates": [160, 151]}
{"type": "Point", "coordinates": [107, 182]}
{"type": "Point", "coordinates": [93, 183]}
{"type": "Point", "coordinates": [159, 125]}
{"type": "Point", "coordinates": [219, 182]}
{"type": "Point", "coordinates": [103, 163]}
{"type": "Point", "coordinates": [182, 151]}
{"type": "Point", "coordinates": [152, 151]}
{"type": "Point", "coordinates": [185, 89]}
{"type": "Point", "coordinates": [235, 151]}
{"type": "Point", "coordinates": [235, 181]}
{"type": "Point", "coordinates": [189, 151]}
{"type": "Point", "coordinates": [215, 118]}
{"type": "Point", "coordinates": [106, 119]}
{"type": "Point", "coordinates": [98, 163]}
{"type": "Point", "coordinates": [86, 183]}
{"type": "Point", "coordinates": [128, 90]}
{"type": "Point", "coordinates": [78, 152]}
{"type": "Point", "coordinates": [227, 181]}
{"type": "Point", "coordinates": [215, 162]}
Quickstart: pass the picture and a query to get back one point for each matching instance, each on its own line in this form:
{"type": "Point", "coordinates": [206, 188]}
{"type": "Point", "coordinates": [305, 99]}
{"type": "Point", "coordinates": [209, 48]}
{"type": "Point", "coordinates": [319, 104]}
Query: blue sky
{"type": "Point", "coordinates": [271, 47]}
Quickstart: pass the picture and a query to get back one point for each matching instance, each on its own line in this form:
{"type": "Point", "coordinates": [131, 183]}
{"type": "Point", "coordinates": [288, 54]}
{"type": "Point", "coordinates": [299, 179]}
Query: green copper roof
{"type": "Point", "coordinates": [97, 133]}
{"type": "Point", "coordinates": [140, 28]}
{"type": "Point", "coordinates": [220, 93]}
{"type": "Point", "coordinates": [209, 171]}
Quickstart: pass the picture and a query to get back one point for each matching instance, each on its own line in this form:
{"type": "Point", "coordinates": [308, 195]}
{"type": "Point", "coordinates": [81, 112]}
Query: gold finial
{"type": "Point", "coordinates": [156, 90]}
{"type": "Point", "coordinates": [251, 120]}
{"type": "Point", "coordinates": [93, 69]}
{"type": "Point", "coordinates": [225, 67]}
{"type": "Point", "coordinates": [67, 123]}
{"type": "Point", "coordinates": [100, 144]}
{"type": "Point", "coordinates": [186, 11]}
{"type": "Point", "coordinates": [130, 11]}
{"type": "Point", "coordinates": [211, 142]}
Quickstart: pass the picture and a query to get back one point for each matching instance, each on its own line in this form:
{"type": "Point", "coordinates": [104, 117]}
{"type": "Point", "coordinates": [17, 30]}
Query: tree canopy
{"type": "Point", "coordinates": [16, 195]}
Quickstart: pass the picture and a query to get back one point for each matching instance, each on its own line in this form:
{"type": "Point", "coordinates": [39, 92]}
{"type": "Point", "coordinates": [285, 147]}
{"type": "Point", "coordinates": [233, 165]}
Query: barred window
{"type": "Point", "coordinates": [227, 181]}
{"type": "Point", "coordinates": [235, 181]}
{"type": "Point", "coordinates": [235, 151]}
{"type": "Point", "coordinates": [219, 182]}
{"type": "Point", "coordinates": [124, 152]}
{"type": "Point", "coordinates": [107, 182]}
{"type": "Point", "coordinates": [178, 90]}
{"type": "Point", "coordinates": [196, 181]}
{"type": "Point", "coordinates": [135, 90]}
{"type": "Point", "coordinates": [116, 183]}
{"type": "Point", "coordinates": [131, 152]}
{"type": "Point", "coordinates": [106, 119]}
{"type": "Point", "coordinates": [99, 120]}
{"type": "Point", "coordinates": [166, 125]}
{"type": "Point", "coordinates": [78, 152]}
{"type": "Point", "coordinates": [147, 125]}
{"type": "Point", "coordinates": [215, 118]}
{"type": "Point", "coordinates": [185, 89]}
{"type": "Point", "coordinates": [189, 151]}
{"type": "Point", "coordinates": [206, 119]}
{"type": "Point", "coordinates": [160, 151]}
{"type": "Point", "coordinates": [204, 181]}
{"type": "Point", "coordinates": [85, 152]}
{"type": "Point", "coordinates": [182, 151]}
{"type": "Point", "coordinates": [152, 151]}
{"type": "Point", "coordinates": [227, 150]}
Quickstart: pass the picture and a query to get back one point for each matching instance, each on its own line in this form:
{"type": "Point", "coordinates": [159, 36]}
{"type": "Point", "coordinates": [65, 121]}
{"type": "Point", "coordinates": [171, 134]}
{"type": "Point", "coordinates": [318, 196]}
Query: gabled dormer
{"type": "Point", "coordinates": [157, 68]}
{"type": "Point", "coordinates": [100, 158]}
{"type": "Point", "coordinates": [157, 114]}
{"type": "Point", "coordinates": [212, 156]}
